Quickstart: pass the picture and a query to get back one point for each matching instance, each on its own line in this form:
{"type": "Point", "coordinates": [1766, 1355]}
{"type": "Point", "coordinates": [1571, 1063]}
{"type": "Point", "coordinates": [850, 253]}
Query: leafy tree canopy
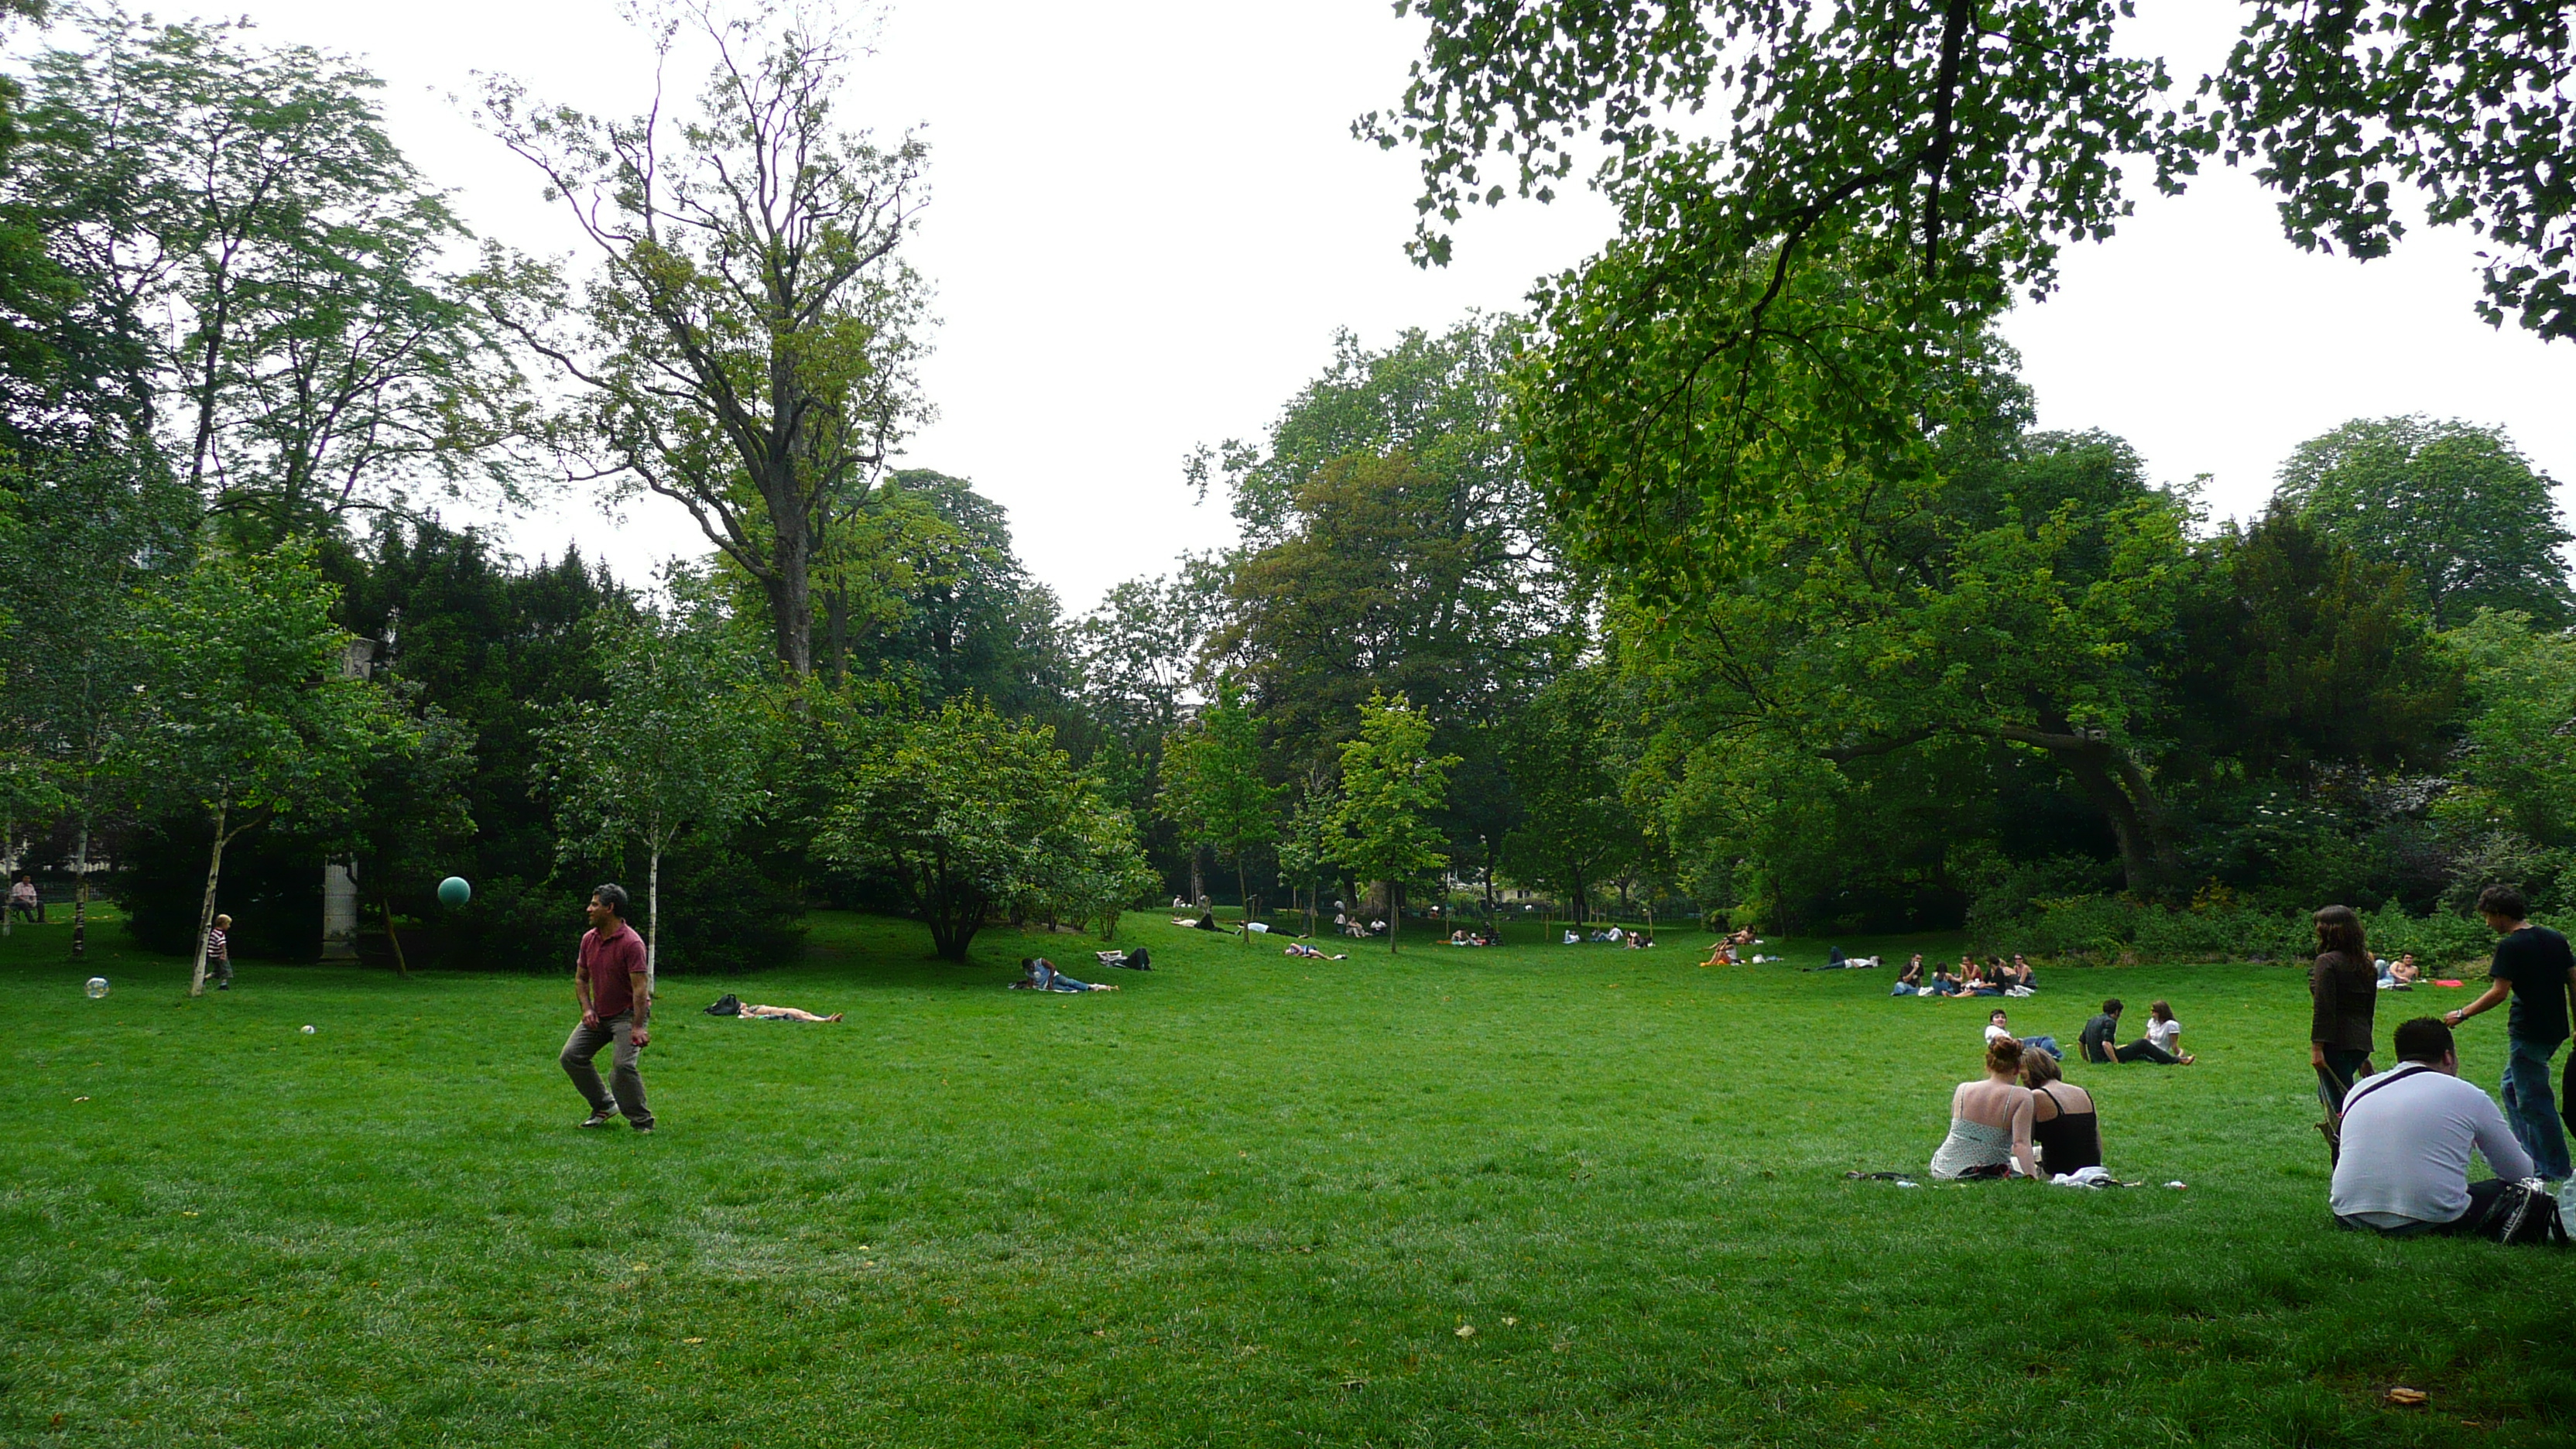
{"type": "Point", "coordinates": [2458, 506]}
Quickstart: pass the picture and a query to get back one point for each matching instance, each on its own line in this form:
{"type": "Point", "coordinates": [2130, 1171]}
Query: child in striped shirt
{"type": "Point", "coordinates": [219, 953]}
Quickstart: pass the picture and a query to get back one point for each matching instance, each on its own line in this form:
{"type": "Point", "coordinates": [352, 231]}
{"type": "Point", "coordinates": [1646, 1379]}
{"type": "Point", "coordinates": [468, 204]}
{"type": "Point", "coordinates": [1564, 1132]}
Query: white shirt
{"type": "Point", "coordinates": [2406, 1148]}
{"type": "Point", "coordinates": [1995, 1033]}
{"type": "Point", "coordinates": [2161, 1034]}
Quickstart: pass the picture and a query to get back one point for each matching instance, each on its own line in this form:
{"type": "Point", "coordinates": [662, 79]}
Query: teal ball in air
{"type": "Point", "coordinates": [453, 892]}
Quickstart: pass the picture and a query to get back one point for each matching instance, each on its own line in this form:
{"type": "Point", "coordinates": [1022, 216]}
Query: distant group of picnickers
{"type": "Point", "coordinates": [2401, 1141]}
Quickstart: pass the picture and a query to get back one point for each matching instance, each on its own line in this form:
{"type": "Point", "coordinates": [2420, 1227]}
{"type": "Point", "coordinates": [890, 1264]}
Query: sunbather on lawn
{"type": "Point", "coordinates": [1037, 973]}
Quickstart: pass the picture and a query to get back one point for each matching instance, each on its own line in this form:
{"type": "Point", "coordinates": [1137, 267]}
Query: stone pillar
{"type": "Point", "coordinates": [339, 887]}
{"type": "Point", "coordinates": [339, 913]}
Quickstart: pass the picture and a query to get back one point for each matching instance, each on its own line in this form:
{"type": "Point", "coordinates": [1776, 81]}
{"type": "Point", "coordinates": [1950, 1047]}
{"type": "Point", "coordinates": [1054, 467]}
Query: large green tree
{"type": "Point", "coordinates": [2457, 505]}
{"type": "Point", "coordinates": [1392, 788]}
{"type": "Point", "coordinates": [968, 813]}
{"type": "Point", "coordinates": [271, 268]}
{"type": "Point", "coordinates": [745, 346]}
{"type": "Point", "coordinates": [673, 751]}
{"type": "Point", "coordinates": [249, 713]}
{"type": "Point", "coordinates": [99, 526]}
{"type": "Point", "coordinates": [1214, 789]}
{"type": "Point", "coordinates": [1578, 831]}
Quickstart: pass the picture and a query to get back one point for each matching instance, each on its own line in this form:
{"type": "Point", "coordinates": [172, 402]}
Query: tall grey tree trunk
{"type": "Point", "coordinates": [652, 922]}
{"type": "Point", "coordinates": [206, 911]}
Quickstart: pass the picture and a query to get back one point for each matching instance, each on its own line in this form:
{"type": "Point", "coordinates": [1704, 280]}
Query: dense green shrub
{"type": "Point", "coordinates": [2108, 927]}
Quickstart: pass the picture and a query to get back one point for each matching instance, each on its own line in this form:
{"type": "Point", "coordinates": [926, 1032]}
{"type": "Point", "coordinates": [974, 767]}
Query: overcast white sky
{"type": "Point", "coordinates": [1149, 217]}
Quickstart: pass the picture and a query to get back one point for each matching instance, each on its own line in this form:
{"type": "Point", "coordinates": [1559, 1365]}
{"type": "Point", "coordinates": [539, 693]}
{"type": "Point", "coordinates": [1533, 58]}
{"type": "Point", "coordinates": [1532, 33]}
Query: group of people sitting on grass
{"type": "Point", "coordinates": [1734, 948]}
{"type": "Point", "coordinates": [2023, 1118]}
{"type": "Point", "coordinates": [1465, 937]}
{"type": "Point", "coordinates": [1613, 936]}
{"type": "Point", "coordinates": [1973, 978]}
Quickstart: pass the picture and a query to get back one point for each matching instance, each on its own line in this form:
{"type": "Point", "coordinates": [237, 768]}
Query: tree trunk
{"type": "Point", "coordinates": [836, 619]}
{"type": "Point", "coordinates": [1198, 882]}
{"type": "Point", "coordinates": [402, 968]}
{"type": "Point", "coordinates": [2114, 785]}
{"type": "Point", "coordinates": [80, 891]}
{"type": "Point", "coordinates": [1243, 900]}
{"type": "Point", "coordinates": [206, 911]}
{"type": "Point", "coordinates": [652, 922]}
{"type": "Point", "coordinates": [1394, 914]}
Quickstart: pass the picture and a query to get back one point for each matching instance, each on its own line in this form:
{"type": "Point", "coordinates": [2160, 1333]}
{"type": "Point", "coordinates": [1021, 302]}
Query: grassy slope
{"type": "Point", "coordinates": [1245, 1200]}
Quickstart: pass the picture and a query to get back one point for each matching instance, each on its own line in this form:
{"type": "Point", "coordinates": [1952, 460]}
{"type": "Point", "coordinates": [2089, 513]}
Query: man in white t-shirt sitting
{"type": "Point", "coordinates": [2407, 1134]}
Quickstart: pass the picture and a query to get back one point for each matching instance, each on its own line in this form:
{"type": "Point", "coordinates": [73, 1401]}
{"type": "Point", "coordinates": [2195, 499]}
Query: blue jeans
{"type": "Point", "coordinates": [2529, 1107]}
{"type": "Point", "coordinates": [2046, 1044]}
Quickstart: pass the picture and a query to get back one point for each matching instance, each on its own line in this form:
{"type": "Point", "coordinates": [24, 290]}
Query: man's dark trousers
{"type": "Point", "coordinates": [583, 1045]}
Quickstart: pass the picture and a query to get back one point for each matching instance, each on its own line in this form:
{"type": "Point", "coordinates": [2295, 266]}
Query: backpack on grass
{"type": "Point", "coordinates": [726, 1005]}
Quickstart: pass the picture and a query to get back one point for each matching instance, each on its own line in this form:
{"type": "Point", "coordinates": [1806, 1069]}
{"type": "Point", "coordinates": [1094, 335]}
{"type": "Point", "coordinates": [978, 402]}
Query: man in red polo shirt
{"type": "Point", "coordinates": [608, 981]}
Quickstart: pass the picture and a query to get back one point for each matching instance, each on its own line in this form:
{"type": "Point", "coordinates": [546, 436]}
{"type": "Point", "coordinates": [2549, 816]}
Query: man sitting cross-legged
{"type": "Point", "coordinates": [2407, 1135]}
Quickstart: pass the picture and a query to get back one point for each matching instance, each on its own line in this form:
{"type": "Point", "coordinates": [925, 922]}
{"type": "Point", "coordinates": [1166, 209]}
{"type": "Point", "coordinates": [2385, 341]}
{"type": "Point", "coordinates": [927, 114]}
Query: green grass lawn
{"type": "Point", "coordinates": [1245, 1200]}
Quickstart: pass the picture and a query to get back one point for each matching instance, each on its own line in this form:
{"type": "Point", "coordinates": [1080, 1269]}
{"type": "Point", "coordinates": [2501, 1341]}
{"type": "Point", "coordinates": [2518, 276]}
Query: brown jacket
{"type": "Point", "coordinates": [2346, 991]}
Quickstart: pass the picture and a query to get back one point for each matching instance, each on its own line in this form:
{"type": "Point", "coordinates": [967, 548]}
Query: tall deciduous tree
{"type": "Point", "coordinates": [1392, 786]}
{"type": "Point", "coordinates": [98, 527]}
{"type": "Point", "coordinates": [1578, 831]}
{"type": "Point", "coordinates": [1213, 787]}
{"type": "Point", "coordinates": [746, 345]}
{"type": "Point", "coordinates": [968, 813]}
{"type": "Point", "coordinates": [272, 266]}
{"type": "Point", "coordinates": [673, 751]}
{"type": "Point", "coordinates": [249, 714]}
{"type": "Point", "coordinates": [2457, 505]}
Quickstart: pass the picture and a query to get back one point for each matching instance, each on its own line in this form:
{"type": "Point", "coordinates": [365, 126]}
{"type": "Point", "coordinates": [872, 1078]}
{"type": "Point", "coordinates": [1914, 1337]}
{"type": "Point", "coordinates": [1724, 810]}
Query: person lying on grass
{"type": "Point", "coordinates": [1311, 953]}
{"type": "Point", "coordinates": [1989, 1123]}
{"type": "Point", "coordinates": [2407, 1135]}
{"type": "Point", "coordinates": [1999, 1027]}
{"type": "Point", "coordinates": [1037, 973]}
{"type": "Point", "coordinates": [2065, 1131]}
{"type": "Point", "coordinates": [1723, 954]}
{"type": "Point", "coordinates": [784, 1013]}
{"type": "Point", "coordinates": [1137, 960]}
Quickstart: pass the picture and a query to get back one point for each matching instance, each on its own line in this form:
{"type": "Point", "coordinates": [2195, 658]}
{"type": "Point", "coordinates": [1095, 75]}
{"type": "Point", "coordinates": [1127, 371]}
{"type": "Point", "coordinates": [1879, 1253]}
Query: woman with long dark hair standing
{"type": "Point", "coordinates": [2345, 987]}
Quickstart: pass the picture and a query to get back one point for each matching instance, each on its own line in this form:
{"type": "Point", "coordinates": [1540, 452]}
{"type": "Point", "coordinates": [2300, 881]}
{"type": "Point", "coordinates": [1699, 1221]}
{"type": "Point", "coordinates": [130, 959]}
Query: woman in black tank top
{"type": "Point", "coordinates": [2067, 1139]}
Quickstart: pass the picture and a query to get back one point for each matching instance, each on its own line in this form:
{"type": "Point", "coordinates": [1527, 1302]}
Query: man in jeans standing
{"type": "Point", "coordinates": [608, 981]}
{"type": "Point", "coordinates": [2534, 966]}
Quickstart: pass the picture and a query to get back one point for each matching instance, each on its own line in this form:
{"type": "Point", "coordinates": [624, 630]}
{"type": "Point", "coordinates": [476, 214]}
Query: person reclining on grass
{"type": "Point", "coordinates": [1137, 960]}
{"type": "Point", "coordinates": [783, 1013]}
{"type": "Point", "coordinates": [1999, 1027]}
{"type": "Point", "coordinates": [1037, 973]}
{"type": "Point", "coordinates": [1311, 953]}
{"type": "Point", "coordinates": [1989, 1123]}
{"type": "Point", "coordinates": [2407, 1135]}
{"type": "Point", "coordinates": [2065, 1130]}
{"type": "Point", "coordinates": [2097, 1035]}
